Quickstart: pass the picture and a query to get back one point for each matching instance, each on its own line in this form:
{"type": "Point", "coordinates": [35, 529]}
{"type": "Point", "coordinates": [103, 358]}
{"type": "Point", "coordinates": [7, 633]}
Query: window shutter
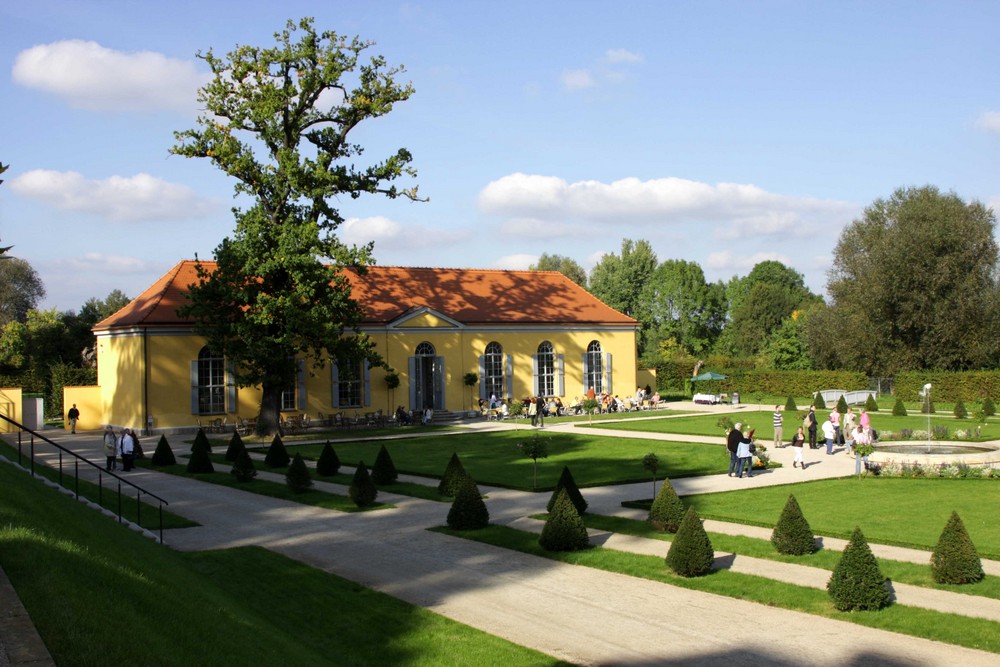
{"type": "Point", "coordinates": [560, 375]}
{"type": "Point", "coordinates": [368, 383]}
{"type": "Point", "coordinates": [534, 375]}
{"type": "Point", "coordinates": [508, 371]}
{"type": "Point", "coordinates": [194, 388]}
{"type": "Point", "coordinates": [586, 374]}
{"type": "Point", "coordinates": [334, 385]}
{"type": "Point", "coordinates": [231, 387]}
{"type": "Point", "coordinates": [482, 377]}
{"type": "Point", "coordinates": [439, 383]}
{"type": "Point", "coordinates": [412, 365]}
{"type": "Point", "coordinates": [607, 372]}
{"type": "Point", "coordinates": [300, 377]}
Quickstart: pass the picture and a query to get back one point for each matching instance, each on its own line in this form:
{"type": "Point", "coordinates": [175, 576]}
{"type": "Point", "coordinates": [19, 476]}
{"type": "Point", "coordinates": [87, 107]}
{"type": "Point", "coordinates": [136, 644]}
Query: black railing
{"type": "Point", "coordinates": [77, 459]}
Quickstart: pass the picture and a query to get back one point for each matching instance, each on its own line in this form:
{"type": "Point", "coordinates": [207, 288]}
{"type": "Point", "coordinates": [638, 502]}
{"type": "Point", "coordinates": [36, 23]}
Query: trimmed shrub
{"type": "Point", "coordinates": [328, 463]}
{"type": "Point", "coordinates": [468, 511]}
{"type": "Point", "coordinates": [960, 412]}
{"type": "Point", "coordinates": [297, 476]}
{"type": "Point", "coordinates": [927, 407]}
{"type": "Point", "coordinates": [243, 468]}
{"type": "Point", "coordinates": [899, 409]}
{"type": "Point", "coordinates": [818, 401]}
{"type": "Point", "coordinates": [955, 560]}
{"type": "Point", "coordinates": [842, 405]}
{"type": "Point", "coordinates": [199, 461]}
{"type": "Point", "coordinates": [567, 482]}
{"type": "Point", "coordinates": [564, 529]}
{"type": "Point", "coordinates": [857, 582]}
{"type": "Point", "coordinates": [870, 404]}
{"type": "Point", "coordinates": [454, 475]}
{"type": "Point", "coordinates": [988, 408]}
{"type": "Point", "coordinates": [235, 445]}
{"type": "Point", "coordinates": [201, 440]}
{"type": "Point", "coordinates": [362, 490]}
{"type": "Point", "coordinates": [792, 535]}
{"type": "Point", "coordinates": [277, 455]}
{"type": "Point", "coordinates": [163, 456]}
{"type": "Point", "coordinates": [667, 510]}
{"type": "Point", "coordinates": [691, 553]}
{"type": "Point", "coordinates": [790, 405]}
{"type": "Point", "coordinates": [384, 471]}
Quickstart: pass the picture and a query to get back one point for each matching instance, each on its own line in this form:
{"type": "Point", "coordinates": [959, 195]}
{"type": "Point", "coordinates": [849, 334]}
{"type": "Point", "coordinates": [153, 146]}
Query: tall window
{"type": "Point", "coordinates": [594, 367]}
{"type": "Point", "coordinates": [349, 384]}
{"type": "Point", "coordinates": [546, 369]}
{"type": "Point", "coordinates": [494, 370]}
{"type": "Point", "coordinates": [211, 383]}
{"type": "Point", "coordinates": [288, 403]}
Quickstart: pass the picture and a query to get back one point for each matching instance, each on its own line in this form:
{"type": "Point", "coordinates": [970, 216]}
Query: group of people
{"type": "Point", "coordinates": [741, 448]}
{"type": "Point", "coordinates": [124, 446]}
{"type": "Point", "coordinates": [849, 430]}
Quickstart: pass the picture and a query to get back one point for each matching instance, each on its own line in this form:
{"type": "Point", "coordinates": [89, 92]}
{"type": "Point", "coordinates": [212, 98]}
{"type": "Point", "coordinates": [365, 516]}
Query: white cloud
{"type": "Point", "coordinates": [577, 79]}
{"type": "Point", "coordinates": [100, 263]}
{"type": "Point", "coordinates": [989, 121]}
{"type": "Point", "coordinates": [90, 76]}
{"type": "Point", "coordinates": [729, 260]}
{"type": "Point", "coordinates": [137, 198]}
{"type": "Point", "coordinates": [741, 210]}
{"type": "Point", "coordinates": [619, 56]}
{"type": "Point", "coordinates": [390, 235]}
{"type": "Point", "coordinates": [519, 262]}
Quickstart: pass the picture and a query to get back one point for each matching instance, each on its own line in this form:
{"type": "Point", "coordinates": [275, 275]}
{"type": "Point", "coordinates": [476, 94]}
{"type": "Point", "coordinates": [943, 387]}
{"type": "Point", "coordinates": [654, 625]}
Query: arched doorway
{"type": "Point", "coordinates": [425, 378]}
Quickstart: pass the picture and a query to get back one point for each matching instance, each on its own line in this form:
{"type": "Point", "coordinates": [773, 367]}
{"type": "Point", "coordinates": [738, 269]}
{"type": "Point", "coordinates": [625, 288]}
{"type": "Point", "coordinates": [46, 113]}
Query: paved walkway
{"type": "Point", "coordinates": [578, 614]}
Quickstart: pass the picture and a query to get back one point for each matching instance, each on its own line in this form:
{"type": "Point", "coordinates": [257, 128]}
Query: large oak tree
{"type": "Point", "coordinates": [278, 120]}
{"type": "Point", "coordinates": [914, 285]}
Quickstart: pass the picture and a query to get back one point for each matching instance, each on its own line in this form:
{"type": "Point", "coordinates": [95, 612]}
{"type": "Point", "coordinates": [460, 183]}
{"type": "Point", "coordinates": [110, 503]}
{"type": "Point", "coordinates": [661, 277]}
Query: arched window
{"type": "Point", "coordinates": [493, 371]}
{"type": "Point", "coordinates": [425, 349]}
{"type": "Point", "coordinates": [593, 365]}
{"type": "Point", "coordinates": [211, 383]}
{"type": "Point", "coordinates": [546, 367]}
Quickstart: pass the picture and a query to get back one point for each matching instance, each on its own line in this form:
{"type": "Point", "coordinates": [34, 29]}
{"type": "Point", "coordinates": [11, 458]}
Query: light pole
{"type": "Point", "coordinates": [927, 397]}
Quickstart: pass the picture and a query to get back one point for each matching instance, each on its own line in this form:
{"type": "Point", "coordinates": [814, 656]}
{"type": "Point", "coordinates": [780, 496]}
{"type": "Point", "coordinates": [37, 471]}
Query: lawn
{"type": "Point", "coordinates": [760, 421]}
{"type": "Point", "coordinates": [906, 512]}
{"type": "Point", "coordinates": [101, 594]}
{"type": "Point", "coordinates": [494, 458]}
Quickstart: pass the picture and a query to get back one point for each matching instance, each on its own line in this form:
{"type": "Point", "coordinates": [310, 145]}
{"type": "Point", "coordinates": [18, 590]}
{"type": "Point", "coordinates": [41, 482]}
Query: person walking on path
{"type": "Point", "coordinates": [835, 420]}
{"type": "Point", "coordinates": [745, 457]}
{"type": "Point", "coordinates": [733, 440]}
{"type": "Point", "coordinates": [850, 422]}
{"type": "Point", "coordinates": [777, 422]}
{"type": "Point", "coordinates": [73, 415]}
{"type": "Point", "coordinates": [110, 448]}
{"type": "Point", "coordinates": [798, 440]}
{"type": "Point", "coordinates": [828, 433]}
{"type": "Point", "coordinates": [811, 425]}
{"type": "Point", "coordinates": [127, 447]}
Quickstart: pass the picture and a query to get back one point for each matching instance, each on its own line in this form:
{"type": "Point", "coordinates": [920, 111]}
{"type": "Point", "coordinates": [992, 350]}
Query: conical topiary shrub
{"type": "Point", "coordinates": [454, 475]}
{"type": "Point", "coordinates": [243, 468]}
{"type": "Point", "coordinates": [564, 529]}
{"type": "Point", "coordinates": [927, 407]}
{"type": "Point", "coordinates": [667, 510]}
{"type": "Point", "coordinates": [277, 455]}
{"type": "Point", "coordinates": [857, 582]}
{"type": "Point", "coordinates": [235, 445]}
{"type": "Point", "coordinates": [691, 553]}
{"type": "Point", "coordinates": [790, 404]}
{"type": "Point", "coordinates": [792, 534]}
{"type": "Point", "coordinates": [384, 471]}
{"type": "Point", "coordinates": [362, 490]}
{"type": "Point", "coordinates": [870, 404]}
{"type": "Point", "coordinates": [955, 560]}
{"type": "Point", "coordinates": [199, 461]}
{"type": "Point", "coordinates": [567, 482]}
{"type": "Point", "coordinates": [898, 408]}
{"type": "Point", "coordinates": [297, 476]}
{"type": "Point", "coordinates": [960, 411]}
{"type": "Point", "coordinates": [163, 456]}
{"type": "Point", "coordinates": [988, 408]}
{"type": "Point", "coordinates": [468, 511]}
{"type": "Point", "coordinates": [201, 440]}
{"type": "Point", "coordinates": [842, 405]}
{"type": "Point", "coordinates": [328, 463]}
{"type": "Point", "coordinates": [818, 401]}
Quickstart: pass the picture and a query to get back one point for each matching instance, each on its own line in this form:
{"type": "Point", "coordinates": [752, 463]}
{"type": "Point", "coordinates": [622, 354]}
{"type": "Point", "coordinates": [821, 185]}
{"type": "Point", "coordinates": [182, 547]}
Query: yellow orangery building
{"type": "Point", "coordinates": [521, 332]}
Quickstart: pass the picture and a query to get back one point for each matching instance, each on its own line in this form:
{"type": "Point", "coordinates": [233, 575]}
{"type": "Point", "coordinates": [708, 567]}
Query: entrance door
{"type": "Point", "coordinates": [426, 372]}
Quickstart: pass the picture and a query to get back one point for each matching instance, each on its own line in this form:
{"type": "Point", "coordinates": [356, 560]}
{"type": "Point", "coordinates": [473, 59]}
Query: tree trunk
{"type": "Point", "coordinates": [269, 419]}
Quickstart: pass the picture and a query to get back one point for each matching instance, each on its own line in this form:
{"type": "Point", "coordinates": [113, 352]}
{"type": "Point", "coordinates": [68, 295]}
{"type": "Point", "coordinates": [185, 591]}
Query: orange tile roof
{"type": "Point", "coordinates": [469, 296]}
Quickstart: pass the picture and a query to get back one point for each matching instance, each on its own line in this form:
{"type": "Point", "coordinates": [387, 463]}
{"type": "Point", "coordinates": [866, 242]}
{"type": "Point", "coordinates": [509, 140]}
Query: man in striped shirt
{"type": "Point", "coordinates": [777, 426]}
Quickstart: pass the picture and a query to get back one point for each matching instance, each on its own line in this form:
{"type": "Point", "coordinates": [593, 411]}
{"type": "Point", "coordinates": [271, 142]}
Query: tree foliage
{"type": "Point", "coordinates": [277, 455]}
{"type": "Point", "coordinates": [618, 280]}
{"type": "Point", "coordinates": [468, 511]}
{"type": "Point", "coordinates": [564, 265]}
{"type": "Point", "coordinates": [243, 468]}
{"type": "Point", "coordinates": [691, 553]}
{"type": "Point", "coordinates": [667, 510]}
{"type": "Point", "coordinates": [297, 476]}
{"type": "Point", "coordinates": [677, 306]}
{"type": "Point", "coordinates": [199, 461]}
{"type": "Point", "coordinates": [328, 463]}
{"type": "Point", "coordinates": [454, 475]}
{"type": "Point", "coordinates": [163, 455]}
{"type": "Point", "coordinates": [857, 582]}
{"type": "Point", "coordinates": [567, 483]}
{"type": "Point", "coordinates": [792, 534]}
{"type": "Point", "coordinates": [916, 277]}
{"type": "Point", "coordinates": [278, 121]}
{"type": "Point", "coordinates": [20, 289]}
{"type": "Point", "coordinates": [564, 529]}
{"type": "Point", "coordinates": [235, 446]}
{"type": "Point", "coordinates": [362, 490]}
{"type": "Point", "coordinates": [384, 470]}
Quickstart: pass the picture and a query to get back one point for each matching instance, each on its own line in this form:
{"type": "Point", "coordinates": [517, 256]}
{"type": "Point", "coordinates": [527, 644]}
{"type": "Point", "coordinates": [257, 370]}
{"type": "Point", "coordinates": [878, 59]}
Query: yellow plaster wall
{"type": "Point", "coordinates": [10, 407]}
{"type": "Point", "coordinates": [88, 401]}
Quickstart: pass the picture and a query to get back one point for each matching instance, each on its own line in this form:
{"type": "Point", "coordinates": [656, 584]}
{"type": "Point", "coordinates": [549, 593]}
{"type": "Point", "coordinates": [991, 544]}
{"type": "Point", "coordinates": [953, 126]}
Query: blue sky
{"type": "Point", "coordinates": [724, 133]}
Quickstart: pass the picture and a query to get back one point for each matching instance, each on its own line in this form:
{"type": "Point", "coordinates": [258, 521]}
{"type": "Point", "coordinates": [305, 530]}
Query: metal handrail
{"type": "Point", "coordinates": [100, 473]}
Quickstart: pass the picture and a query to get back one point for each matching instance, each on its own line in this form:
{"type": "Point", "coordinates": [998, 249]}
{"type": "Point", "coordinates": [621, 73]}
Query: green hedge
{"type": "Point", "coordinates": [949, 387]}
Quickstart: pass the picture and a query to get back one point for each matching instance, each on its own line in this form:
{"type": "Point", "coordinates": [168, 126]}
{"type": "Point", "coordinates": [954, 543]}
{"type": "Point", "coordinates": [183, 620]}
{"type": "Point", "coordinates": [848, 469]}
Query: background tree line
{"type": "Point", "coordinates": [913, 286]}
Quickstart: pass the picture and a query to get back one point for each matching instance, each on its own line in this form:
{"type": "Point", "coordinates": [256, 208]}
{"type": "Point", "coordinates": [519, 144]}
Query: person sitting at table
{"type": "Point", "coordinates": [504, 411]}
{"type": "Point", "coordinates": [403, 417]}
